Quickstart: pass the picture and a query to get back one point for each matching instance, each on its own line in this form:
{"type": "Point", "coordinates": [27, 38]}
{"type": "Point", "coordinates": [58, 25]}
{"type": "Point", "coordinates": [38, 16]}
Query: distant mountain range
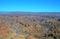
{"type": "Point", "coordinates": [31, 13]}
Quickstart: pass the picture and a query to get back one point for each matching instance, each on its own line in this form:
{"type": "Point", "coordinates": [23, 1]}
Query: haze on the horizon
{"type": "Point", "coordinates": [30, 5]}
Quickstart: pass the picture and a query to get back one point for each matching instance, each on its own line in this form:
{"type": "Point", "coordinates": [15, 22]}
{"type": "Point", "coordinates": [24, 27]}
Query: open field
{"type": "Point", "coordinates": [25, 25]}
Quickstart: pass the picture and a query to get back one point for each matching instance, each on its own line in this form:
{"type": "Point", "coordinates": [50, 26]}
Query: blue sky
{"type": "Point", "coordinates": [30, 5]}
